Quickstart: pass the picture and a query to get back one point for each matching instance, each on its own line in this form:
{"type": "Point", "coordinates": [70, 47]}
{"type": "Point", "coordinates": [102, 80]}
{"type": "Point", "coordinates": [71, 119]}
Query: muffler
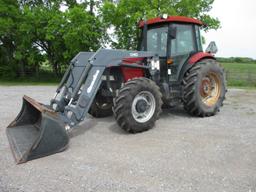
{"type": "Point", "coordinates": [36, 132]}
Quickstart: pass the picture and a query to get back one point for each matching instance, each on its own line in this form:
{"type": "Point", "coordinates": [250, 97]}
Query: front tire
{"type": "Point", "coordinates": [138, 105]}
{"type": "Point", "coordinates": [204, 88]}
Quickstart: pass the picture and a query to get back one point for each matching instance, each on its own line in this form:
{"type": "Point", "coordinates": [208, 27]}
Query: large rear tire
{"type": "Point", "coordinates": [204, 88]}
{"type": "Point", "coordinates": [138, 105]}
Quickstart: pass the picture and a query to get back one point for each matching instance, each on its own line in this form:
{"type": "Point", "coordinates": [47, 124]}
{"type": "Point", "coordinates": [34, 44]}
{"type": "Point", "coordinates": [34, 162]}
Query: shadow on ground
{"type": "Point", "coordinates": [92, 122]}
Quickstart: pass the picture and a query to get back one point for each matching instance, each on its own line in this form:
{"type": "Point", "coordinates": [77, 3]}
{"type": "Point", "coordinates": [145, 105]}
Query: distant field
{"type": "Point", "coordinates": [240, 67]}
{"type": "Point", "coordinates": [238, 75]}
{"type": "Point", "coordinates": [241, 74]}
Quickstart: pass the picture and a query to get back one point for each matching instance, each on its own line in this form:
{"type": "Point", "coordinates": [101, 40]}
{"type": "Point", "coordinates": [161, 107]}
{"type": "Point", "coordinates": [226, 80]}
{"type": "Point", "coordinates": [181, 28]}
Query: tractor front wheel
{"type": "Point", "coordinates": [138, 105]}
{"type": "Point", "coordinates": [204, 88]}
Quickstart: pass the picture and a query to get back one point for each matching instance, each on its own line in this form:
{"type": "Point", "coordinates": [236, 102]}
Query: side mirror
{"type": "Point", "coordinates": [173, 32]}
{"type": "Point", "coordinates": [212, 48]}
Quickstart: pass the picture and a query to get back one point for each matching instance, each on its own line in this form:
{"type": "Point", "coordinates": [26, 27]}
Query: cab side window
{"type": "Point", "coordinates": [184, 41]}
{"type": "Point", "coordinates": [157, 40]}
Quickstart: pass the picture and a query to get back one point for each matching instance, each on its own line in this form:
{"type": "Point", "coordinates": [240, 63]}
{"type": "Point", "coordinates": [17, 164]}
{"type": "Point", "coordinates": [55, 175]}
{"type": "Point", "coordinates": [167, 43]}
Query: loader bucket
{"type": "Point", "coordinates": [36, 132]}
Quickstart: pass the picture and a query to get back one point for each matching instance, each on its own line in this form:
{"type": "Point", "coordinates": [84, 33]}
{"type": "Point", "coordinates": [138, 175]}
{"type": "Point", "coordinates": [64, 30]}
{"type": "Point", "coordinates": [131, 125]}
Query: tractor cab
{"type": "Point", "coordinates": [174, 39]}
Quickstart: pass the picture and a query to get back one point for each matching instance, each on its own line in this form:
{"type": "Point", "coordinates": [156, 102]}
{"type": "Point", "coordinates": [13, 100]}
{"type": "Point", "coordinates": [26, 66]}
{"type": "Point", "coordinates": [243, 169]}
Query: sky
{"type": "Point", "coordinates": [237, 35]}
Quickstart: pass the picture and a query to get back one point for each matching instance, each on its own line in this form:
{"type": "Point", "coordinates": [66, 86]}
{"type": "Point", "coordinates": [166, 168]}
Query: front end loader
{"type": "Point", "coordinates": [40, 130]}
{"type": "Point", "coordinates": [169, 69]}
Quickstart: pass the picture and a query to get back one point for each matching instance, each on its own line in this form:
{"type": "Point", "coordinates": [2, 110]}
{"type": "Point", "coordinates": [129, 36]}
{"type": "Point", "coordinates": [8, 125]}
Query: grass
{"type": "Point", "coordinates": [241, 74]}
{"type": "Point", "coordinates": [240, 67]}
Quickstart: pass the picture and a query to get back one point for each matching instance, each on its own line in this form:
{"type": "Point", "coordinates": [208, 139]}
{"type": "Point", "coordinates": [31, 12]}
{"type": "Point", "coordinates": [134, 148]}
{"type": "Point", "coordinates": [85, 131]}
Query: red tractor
{"type": "Point", "coordinates": [184, 74]}
{"type": "Point", "coordinates": [170, 68]}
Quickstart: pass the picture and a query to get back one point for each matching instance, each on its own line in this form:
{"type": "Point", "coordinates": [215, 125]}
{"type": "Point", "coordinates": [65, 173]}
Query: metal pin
{"type": "Point", "coordinates": [55, 95]}
{"type": "Point", "coordinates": [70, 102]}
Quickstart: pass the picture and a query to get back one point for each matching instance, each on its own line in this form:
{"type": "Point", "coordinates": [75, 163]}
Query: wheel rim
{"type": "Point", "coordinates": [143, 106]}
{"type": "Point", "coordinates": [210, 89]}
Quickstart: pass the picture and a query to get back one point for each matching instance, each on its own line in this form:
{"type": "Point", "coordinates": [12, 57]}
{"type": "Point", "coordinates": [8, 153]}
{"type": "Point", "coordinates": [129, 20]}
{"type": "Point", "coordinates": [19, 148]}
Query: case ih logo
{"type": "Point", "coordinates": [134, 54]}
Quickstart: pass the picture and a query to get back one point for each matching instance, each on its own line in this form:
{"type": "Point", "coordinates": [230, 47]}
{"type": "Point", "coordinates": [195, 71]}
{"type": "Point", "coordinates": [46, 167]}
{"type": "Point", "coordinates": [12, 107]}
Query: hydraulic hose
{"type": "Point", "coordinates": [64, 79]}
{"type": "Point", "coordinates": [81, 80]}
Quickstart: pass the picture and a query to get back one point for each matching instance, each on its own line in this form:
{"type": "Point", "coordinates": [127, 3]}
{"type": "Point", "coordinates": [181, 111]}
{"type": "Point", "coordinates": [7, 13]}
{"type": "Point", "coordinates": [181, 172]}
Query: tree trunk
{"type": "Point", "coordinates": [56, 69]}
{"type": "Point", "coordinates": [22, 68]}
{"type": "Point", "coordinates": [91, 6]}
{"type": "Point", "coordinates": [59, 70]}
{"type": "Point", "coordinates": [37, 69]}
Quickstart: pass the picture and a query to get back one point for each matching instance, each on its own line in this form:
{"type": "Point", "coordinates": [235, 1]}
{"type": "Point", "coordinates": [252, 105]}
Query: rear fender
{"type": "Point", "coordinates": [197, 57]}
{"type": "Point", "coordinates": [200, 56]}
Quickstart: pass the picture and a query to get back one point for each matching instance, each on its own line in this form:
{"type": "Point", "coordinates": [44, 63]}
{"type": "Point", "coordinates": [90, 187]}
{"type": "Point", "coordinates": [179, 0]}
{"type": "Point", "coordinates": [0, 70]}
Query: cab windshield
{"type": "Point", "coordinates": [183, 43]}
{"type": "Point", "coordinates": [157, 40]}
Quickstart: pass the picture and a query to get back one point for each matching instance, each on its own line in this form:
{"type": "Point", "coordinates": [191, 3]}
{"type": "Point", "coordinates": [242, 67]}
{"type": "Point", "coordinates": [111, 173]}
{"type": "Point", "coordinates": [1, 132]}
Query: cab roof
{"type": "Point", "coordinates": [178, 19]}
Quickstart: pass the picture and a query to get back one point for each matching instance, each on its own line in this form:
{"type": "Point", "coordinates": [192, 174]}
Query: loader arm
{"type": "Point", "coordinates": [83, 80]}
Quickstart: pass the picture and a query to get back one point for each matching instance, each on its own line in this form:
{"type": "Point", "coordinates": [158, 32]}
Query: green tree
{"type": "Point", "coordinates": [61, 35]}
{"type": "Point", "coordinates": [9, 16]}
{"type": "Point", "coordinates": [125, 15]}
{"type": "Point", "coordinates": [83, 31]}
{"type": "Point", "coordinates": [45, 26]}
{"type": "Point", "coordinates": [35, 31]}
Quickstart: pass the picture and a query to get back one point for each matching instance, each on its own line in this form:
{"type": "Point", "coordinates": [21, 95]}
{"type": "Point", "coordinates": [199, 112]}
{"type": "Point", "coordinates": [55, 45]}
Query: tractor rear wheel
{"type": "Point", "coordinates": [204, 88]}
{"type": "Point", "coordinates": [138, 105]}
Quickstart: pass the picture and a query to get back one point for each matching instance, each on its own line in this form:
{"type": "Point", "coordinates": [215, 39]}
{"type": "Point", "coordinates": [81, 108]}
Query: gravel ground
{"type": "Point", "coordinates": [181, 153]}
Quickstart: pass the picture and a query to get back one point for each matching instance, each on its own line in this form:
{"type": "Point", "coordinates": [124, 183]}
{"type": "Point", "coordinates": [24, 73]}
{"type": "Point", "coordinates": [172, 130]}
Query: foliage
{"type": "Point", "coordinates": [9, 14]}
{"type": "Point", "coordinates": [80, 35]}
{"type": "Point", "coordinates": [125, 15]}
{"type": "Point", "coordinates": [33, 32]}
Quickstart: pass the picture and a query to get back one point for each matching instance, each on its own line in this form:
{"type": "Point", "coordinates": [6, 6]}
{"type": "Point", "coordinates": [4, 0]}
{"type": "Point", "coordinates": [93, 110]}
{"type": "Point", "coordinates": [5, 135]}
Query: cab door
{"type": "Point", "coordinates": [157, 42]}
{"type": "Point", "coordinates": [180, 48]}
